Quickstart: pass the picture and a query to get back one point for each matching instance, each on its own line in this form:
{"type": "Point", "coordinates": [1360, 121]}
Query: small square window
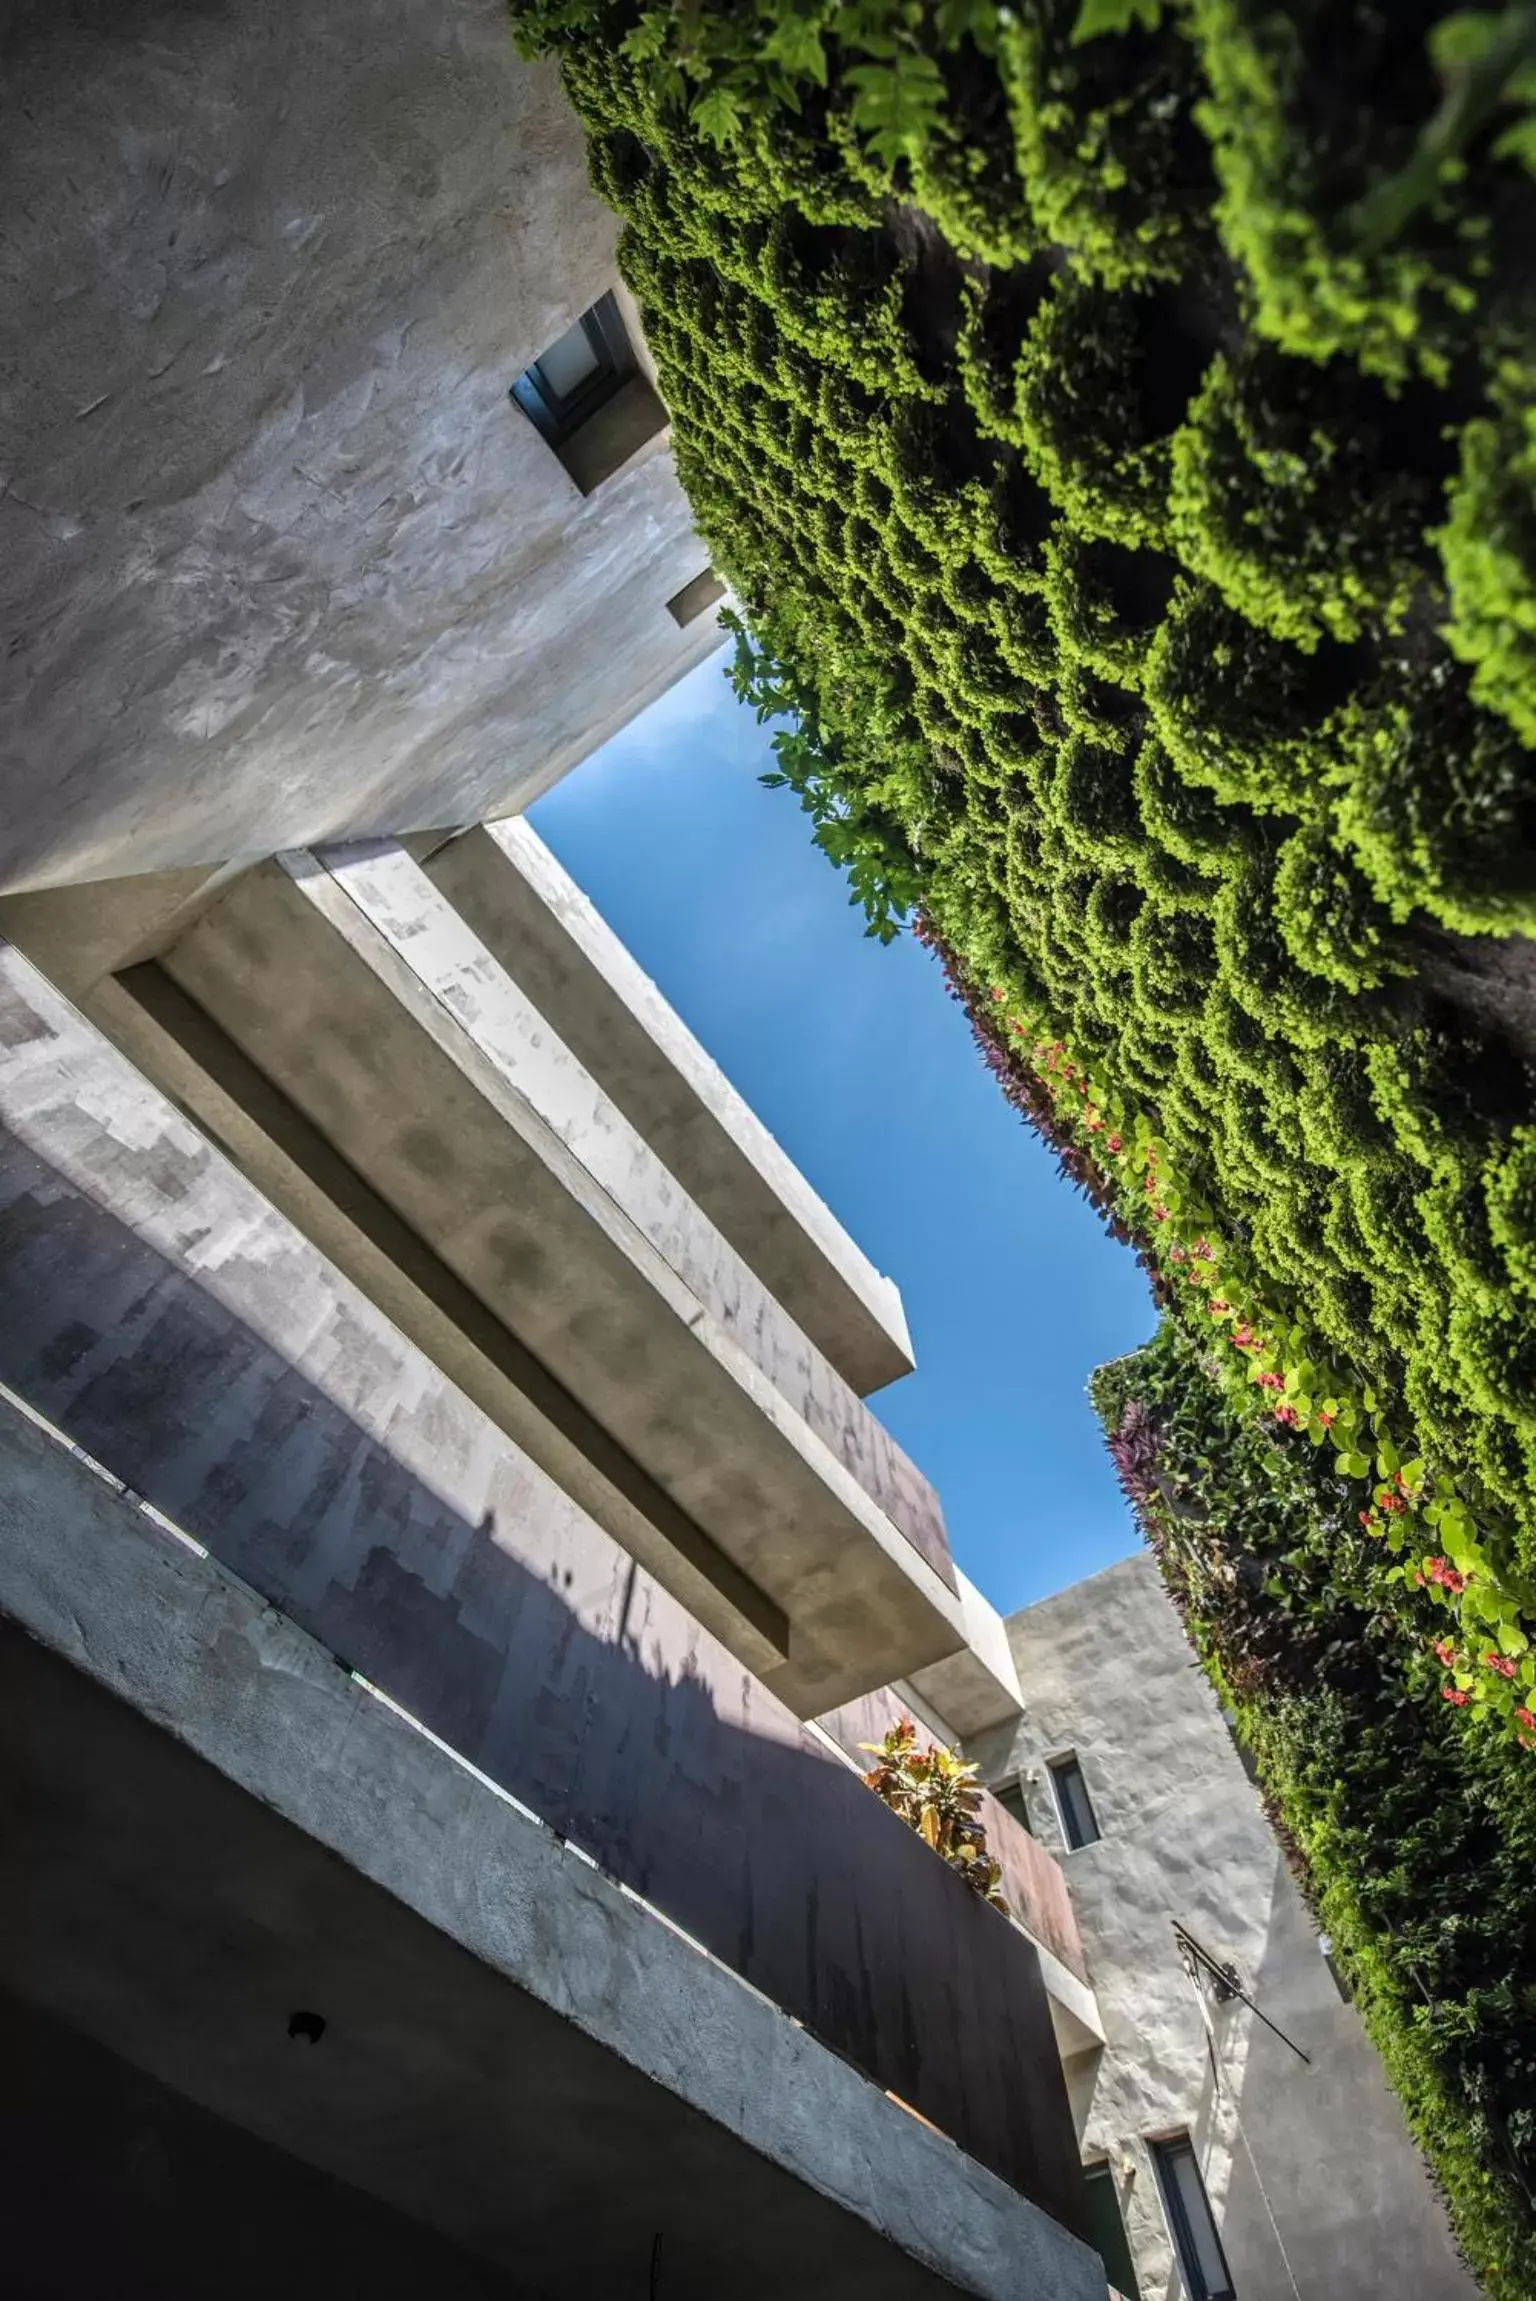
{"type": "Point", "coordinates": [1079, 1824]}
{"type": "Point", "coordinates": [1202, 2263]}
{"type": "Point", "coordinates": [1010, 1795]}
{"type": "Point", "coordinates": [687, 605]}
{"type": "Point", "coordinates": [586, 396]}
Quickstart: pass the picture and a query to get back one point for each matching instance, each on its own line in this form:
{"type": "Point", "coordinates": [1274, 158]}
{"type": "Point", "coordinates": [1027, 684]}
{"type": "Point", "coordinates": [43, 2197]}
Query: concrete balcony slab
{"type": "Point", "coordinates": [357, 993]}
{"type": "Point", "coordinates": [532, 917]}
{"type": "Point", "coordinates": [518, 2058]}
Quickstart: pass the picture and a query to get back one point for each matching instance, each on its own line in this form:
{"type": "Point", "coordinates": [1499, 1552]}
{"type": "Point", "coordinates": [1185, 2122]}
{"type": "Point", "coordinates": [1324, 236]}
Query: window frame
{"type": "Point", "coordinates": [1101, 2169]}
{"type": "Point", "coordinates": [1163, 2150]}
{"type": "Point", "coordinates": [558, 416]}
{"type": "Point", "coordinates": [1067, 1762]}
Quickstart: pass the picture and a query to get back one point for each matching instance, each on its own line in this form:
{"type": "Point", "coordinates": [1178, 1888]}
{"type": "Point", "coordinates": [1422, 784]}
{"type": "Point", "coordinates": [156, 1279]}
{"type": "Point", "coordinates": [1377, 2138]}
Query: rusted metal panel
{"type": "Point", "coordinates": [1033, 1885]}
{"type": "Point", "coordinates": [174, 1325]}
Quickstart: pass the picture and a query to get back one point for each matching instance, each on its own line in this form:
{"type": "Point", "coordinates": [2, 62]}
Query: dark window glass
{"type": "Point", "coordinates": [1078, 1824]}
{"type": "Point", "coordinates": [1106, 2232]}
{"type": "Point", "coordinates": [1201, 2260]}
{"type": "Point", "coordinates": [1011, 1795]}
{"type": "Point", "coordinates": [695, 598]}
{"type": "Point", "coordinates": [578, 374]}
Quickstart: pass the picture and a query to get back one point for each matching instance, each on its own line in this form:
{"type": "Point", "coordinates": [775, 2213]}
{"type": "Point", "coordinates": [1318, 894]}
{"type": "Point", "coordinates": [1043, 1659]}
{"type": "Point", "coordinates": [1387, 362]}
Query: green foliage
{"type": "Point", "coordinates": [1489, 549]}
{"type": "Point", "coordinates": [937, 1794]}
{"type": "Point", "coordinates": [1135, 558]}
{"type": "Point", "coordinates": [1412, 1832]}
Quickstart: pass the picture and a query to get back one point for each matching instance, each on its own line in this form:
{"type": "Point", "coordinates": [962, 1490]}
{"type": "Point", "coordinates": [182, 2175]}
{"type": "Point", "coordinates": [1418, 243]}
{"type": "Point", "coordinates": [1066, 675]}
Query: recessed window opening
{"type": "Point", "coordinates": [1079, 1824]}
{"type": "Point", "coordinates": [586, 396]}
{"type": "Point", "coordinates": [1202, 2263]}
{"type": "Point", "coordinates": [687, 605]}
{"type": "Point", "coordinates": [1010, 1795]}
{"type": "Point", "coordinates": [1106, 2230]}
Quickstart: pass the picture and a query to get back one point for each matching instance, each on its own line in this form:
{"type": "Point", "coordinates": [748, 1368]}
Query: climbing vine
{"type": "Point", "coordinates": [1116, 423]}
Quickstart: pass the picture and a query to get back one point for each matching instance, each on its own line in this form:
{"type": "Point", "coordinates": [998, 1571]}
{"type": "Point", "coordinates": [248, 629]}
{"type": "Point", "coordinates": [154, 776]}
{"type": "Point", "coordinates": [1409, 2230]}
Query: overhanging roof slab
{"type": "Point", "coordinates": [360, 994]}
{"type": "Point", "coordinates": [534, 919]}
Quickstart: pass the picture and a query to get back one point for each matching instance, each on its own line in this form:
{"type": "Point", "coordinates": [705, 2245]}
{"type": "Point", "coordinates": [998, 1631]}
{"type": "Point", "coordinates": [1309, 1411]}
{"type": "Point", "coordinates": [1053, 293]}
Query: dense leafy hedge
{"type": "Point", "coordinates": [1118, 429]}
{"type": "Point", "coordinates": [1412, 1831]}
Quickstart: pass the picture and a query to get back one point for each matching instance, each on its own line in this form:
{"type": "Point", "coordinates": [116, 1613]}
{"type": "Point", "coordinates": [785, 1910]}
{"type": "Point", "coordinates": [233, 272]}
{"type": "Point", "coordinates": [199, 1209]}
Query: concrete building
{"type": "Point", "coordinates": [1279, 2120]}
{"type": "Point", "coordinates": [437, 1493]}
{"type": "Point", "coordinates": [447, 1560]}
{"type": "Point", "coordinates": [416, 1564]}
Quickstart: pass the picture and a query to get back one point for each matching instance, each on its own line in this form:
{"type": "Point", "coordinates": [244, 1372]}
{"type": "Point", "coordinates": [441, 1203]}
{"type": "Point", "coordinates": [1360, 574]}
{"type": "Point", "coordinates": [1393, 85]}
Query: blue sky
{"type": "Point", "coordinates": [865, 1071]}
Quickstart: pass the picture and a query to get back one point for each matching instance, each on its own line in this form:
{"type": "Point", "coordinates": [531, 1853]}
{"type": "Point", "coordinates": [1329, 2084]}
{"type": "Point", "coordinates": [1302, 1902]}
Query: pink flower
{"type": "Point", "coordinates": [1288, 1415]}
{"type": "Point", "coordinates": [1501, 1663]}
{"type": "Point", "coordinates": [1456, 1695]}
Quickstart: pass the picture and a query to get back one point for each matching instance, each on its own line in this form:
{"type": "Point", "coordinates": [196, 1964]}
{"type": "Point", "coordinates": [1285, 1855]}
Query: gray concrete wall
{"type": "Point", "coordinates": [213, 1826]}
{"type": "Point", "coordinates": [152, 1304]}
{"type": "Point", "coordinates": [279, 560]}
{"type": "Point", "coordinates": [118, 2183]}
{"type": "Point", "coordinates": [1315, 2182]}
{"type": "Point", "coordinates": [533, 918]}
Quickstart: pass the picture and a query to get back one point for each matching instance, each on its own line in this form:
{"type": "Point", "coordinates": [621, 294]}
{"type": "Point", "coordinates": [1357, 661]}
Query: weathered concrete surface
{"type": "Point", "coordinates": [212, 1826]}
{"type": "Point", "coordinates": [118, 2184]}
{"type": "Point", "coordinates": [1108, 1674]}
{"type": "Point", "coordinates": [978, 1687]}
{"type": "Point", "coordinates": [279, 559]}
{"type": "Point", "coordinates": [155, 1306]}
{"type": "Point", "coordinates": [533, 918]}
{"type": "Point", "coordinates": [364, 999]}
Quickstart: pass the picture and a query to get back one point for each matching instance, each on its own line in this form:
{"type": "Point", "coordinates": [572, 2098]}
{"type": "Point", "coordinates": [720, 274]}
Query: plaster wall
{"type": "Point", "coordinates": [279, 559]}
{"type": "Point", "coordinates": [1316, 2185]}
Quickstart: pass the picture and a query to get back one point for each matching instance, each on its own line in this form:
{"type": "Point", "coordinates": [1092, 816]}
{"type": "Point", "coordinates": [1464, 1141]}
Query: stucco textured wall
{"type": "Point", "coordinates": [278, 558]}
{"type": "Point", "coordinates": [1108, 1674]}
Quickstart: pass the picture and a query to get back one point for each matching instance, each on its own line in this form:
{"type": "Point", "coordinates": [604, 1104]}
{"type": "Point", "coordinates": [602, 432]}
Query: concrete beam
{"type": "Point", "coordinates": [533, 918]}
{"type": "Point", "coordinates": [977, 1687]}
{"type": "Point", "coordinates": [360, 996]}
{"type": "Point", "coordinates": [518, 2054]}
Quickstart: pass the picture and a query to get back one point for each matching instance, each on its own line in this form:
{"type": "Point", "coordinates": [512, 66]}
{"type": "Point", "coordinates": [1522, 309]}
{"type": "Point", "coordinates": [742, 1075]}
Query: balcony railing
{"type": "Point", "coordinates": [157, 1309]}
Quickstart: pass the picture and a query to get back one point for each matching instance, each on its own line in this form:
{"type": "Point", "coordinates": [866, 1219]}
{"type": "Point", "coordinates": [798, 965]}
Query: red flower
{"type": "Point", "coordinates": [1271, 1381]}
{"type": "Point", "coordinates": [1287, 1415]}
{"type": "Point", "coordinates": [1527, 1718]}
{"type": "Point", "coordinates": [1445, 1652]}
{"type": "Point", "coordinates": [1325, 1418]}
{"type": "Point", "coordinates": [1455, 1694]}
{"type": "Point", "coordinates": [1501, 1663]}
{"type": "Point", "coordinates": [1113, 1144]}
{"type": "Point", "coordinates": [1442, 1571]}
{"type": "Point", "coordinates": [1219, 1306]}
{"type": "Point", "coordinates": [1367, 1521]}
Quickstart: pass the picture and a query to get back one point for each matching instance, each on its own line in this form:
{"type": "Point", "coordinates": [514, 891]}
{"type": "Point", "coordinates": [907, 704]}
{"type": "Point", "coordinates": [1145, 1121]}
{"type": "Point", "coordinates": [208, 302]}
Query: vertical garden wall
{"type": "Point", "coordinates": [1117, 419]}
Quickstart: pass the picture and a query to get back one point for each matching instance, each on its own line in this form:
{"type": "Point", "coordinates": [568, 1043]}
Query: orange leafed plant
{"type": "Point", "coordinates": [936, 1794]}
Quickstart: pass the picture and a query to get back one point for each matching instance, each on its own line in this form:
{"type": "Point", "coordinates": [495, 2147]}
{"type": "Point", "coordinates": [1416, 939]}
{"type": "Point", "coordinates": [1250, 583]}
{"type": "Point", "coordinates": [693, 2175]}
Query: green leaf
{"type": "Point", "coordinates": [647, 40]}
{"type": "Point", "coordinates": [897, 105]}
{"type": "Point", "coordinates": [1096, 17]}
{"type": "Point", "coordinates": [718, 114]}
{"type": "Point", "coordinates": [797, 46]}
{"type": "Point", "coordinates": [1354, 1465]}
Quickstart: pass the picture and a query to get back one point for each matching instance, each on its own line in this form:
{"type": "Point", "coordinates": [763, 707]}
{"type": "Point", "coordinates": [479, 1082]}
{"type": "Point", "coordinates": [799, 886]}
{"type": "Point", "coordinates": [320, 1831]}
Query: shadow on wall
{"type": "Point", "coordinates": [529, 1642]}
